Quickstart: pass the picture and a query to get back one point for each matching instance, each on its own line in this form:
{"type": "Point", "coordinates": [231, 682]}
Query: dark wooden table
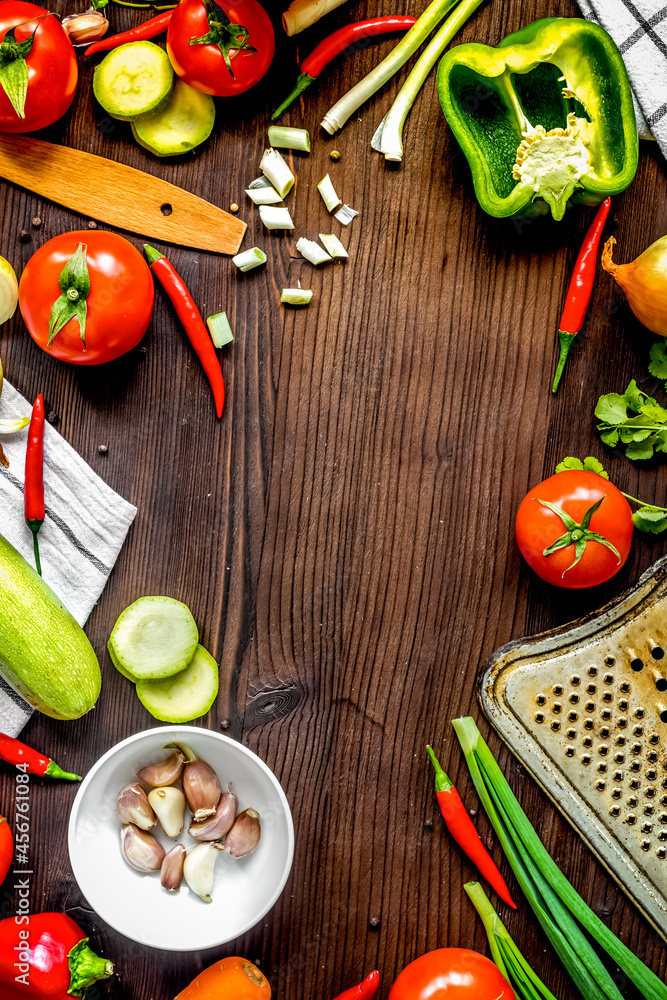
{"type": "Point", "coordinates": [344, 536]}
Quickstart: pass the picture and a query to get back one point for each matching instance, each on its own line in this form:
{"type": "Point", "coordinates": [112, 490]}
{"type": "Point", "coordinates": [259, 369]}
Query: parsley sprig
{"type": "Point", "coordinates": [649, 517]}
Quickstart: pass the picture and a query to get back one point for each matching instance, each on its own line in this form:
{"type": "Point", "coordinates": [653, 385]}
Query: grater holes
{"type": "Point", "coordinates": [635, 748]}
{"type": "Point", "coordinates": [589, 706]}
{"type": "Point", "coordinates": [555, 726]}
{"type": "Point", "coordinates": [623, 704]}
{"type": "Point", "coordinates": [622, 723]}
{"type": "Point", "coordinates": [636, 664]}
{"type": "Point", "coordinates": [607, 696]}
{"type": "Point", "coordinates": [571, 735]}
{"type": "Point", "coordinates": [631, 819]}
{"type": "Point", "coordinates": [539, 717]}
{"type": "Point", "coordinates": [575, 680]}
{"type": "Point", "coordinates": [637, 730]}
{"type": "Point", "coordinates": [652, 757]}
{"type": "Point", "coordinates": [648, 810]}
{"type": "Point", "coordinates": [661, 852]}
{"type": "Point", "coordinates": [541, 699]}
{"type": "Point", "coordinates": [631, 801]}
{"type": "Point", "coordinates": [603, 750]}
{"type": "Point", "coordinates": [661, 683]}
{"type": "Point", "coordinates": [618, 776]}
{"type": "Point", "coordinates": [651, 774]}
{"type": "Point", "coordinates": [591, 688]}
{"type": "Point", "coordinates": [616, 794]}
{"type": "Point", "coordinates": [663, 715]}
{"type": "Point", "coordinates": [649, 792]}
{"type": "Point", "coordinates": [647, 827]}
{"type": "Point", "coordinates": [646, 845]}
{"type": "Point", "coordinates": [608, 679]}
{"type": "Point", "coordinates": [572, 716]}
{"type": "Point", "coordinates": [574, 699]}
{"type": "Point", "coordinates": [657, 652]}
{"type": "Point", "coordinates": [585, 758]}
{"type": "Point", "coordinates": [606, 715]}
{"type": "Point", "coordinates": [634, 783]}
{"type": "Point", "coordinates": [600, 785]}
{"type": "Point", "coordinates": [662, 835]}
{"type": "Point", "coordinates": [619, 758]}
{"type": "Point", "coordinates": [569, 752]}
{"type": "Point", "coordinates": [602, 768]}
{"type": "Point", "coordinates": [654, 738]}
{"type": "Point", "coordinates": [592, 671]}
{"type": "Point", "coordinates": [610, 661]}
{"type": "Point", "coordinates": [635, 765]}
{"type": "Point", "coordinates": [557, 690]}
{"type": "Point", "coordinates": [604, 732]}
{"type": "Point", "coordinates": [625, 687]}
{"type": "Point", "coordinates": [620, 741]}
{"type": "Point", "coordinates": [663, 817]}
{"type": "Point", "coordinates": [639, 713]}
{"type": "Point", "coordinates": [587, 741]}
{"type": "Point", "coordinates": [615, 811]}
{"type": "Point", "coordinates": [556, 708]}
{"type": "Point", "coordinates": [588, 723]}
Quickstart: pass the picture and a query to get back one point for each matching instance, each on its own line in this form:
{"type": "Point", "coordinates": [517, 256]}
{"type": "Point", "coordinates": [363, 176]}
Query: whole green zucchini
{"type": "Point", "coordinates": [44, 653]}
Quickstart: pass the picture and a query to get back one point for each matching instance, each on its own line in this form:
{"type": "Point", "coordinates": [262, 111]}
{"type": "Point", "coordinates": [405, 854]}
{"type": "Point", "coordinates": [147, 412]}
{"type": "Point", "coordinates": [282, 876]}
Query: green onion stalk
{"type": "Point", "coordinates": [561, 912]}
{"type": "Point", "coordinates": [391, 131]}
{"type": "Point", "coordinates": [336, 117]}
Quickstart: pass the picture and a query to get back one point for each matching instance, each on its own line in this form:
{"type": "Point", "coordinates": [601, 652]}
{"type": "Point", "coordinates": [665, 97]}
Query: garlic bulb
{"type": "Point", "coordinates": [140, 849]}
{"type": "Point", "coordinates": [168, 804]}
{"type": "Point", "coordinates": [166, 772]}
{"type": "Point", "coordinates": [133, 806]}
{"type": "Point", "coordinates": [200, 783]}
{"type": "Point", "coordinates": [644, 282]}
{"type": "Point", "coordinates": [244, 836]}
{"type": "Point", "coordinates": [83, 29]}
{"type": "Point", "coordinates": [199, 868]}
{"type": "Point", "coordinates": [171, 871]}
{"type": "Point", "coordinates": [220, 823]}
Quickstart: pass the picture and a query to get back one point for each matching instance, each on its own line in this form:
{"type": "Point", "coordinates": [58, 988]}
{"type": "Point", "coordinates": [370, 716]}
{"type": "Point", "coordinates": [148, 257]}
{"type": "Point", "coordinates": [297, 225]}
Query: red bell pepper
{"type": "Point", "coordinates": [45, 956]}
{"type": "Point", "coordinates": [6, 848]}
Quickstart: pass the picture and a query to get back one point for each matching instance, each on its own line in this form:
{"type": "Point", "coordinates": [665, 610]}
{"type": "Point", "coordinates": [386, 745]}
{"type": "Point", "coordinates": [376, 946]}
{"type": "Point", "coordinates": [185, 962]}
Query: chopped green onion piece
{"type": "Point", "coordinates": [329, 196]}
{"type": "Point", "coordinates": [262, 192]}
{"type": "Point", "coordinates": [249, 258]}
{"type": "Point", "coordinates": [333, 246]}
{"type": "Point", "coordinates": [275, 169]}
{"type": "Point", "coordinates": [312, 252]}
{"type": "Point", "coordinates": [275, 218]}
{"type": "Point", "coordinates": [220, 330]}
{"type": "Point", "coordinates": [345, 214]}
{"type": "Point", "coordinates": [12, 426]}
{"type": "Point", "coordinates": [289, 138]}
{"type": "Point", "coordinates": [296, 296]}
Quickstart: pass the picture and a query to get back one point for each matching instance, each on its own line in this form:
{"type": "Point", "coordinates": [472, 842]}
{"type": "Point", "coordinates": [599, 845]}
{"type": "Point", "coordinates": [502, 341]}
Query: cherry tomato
{"type": "Point", "coordinates": [451, 974]}
{"type": "Point", "coordinates": [118, 306]}
{"type": "Point", "coordinates": [205, 67]}
{"type": "Point", "coordinates": [232, 978]}
{"type": "Point", "coordinates": [51, 62]}
{"type": "Point", "coordinates": [6, 848]}
{"type": "Point", "coordinates": [603, 543]}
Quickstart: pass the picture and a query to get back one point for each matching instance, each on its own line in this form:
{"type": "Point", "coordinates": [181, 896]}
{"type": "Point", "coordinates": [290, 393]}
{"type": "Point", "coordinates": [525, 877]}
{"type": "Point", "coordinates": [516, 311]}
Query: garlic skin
{"type": "Point", "coordinates": [83, 29]}
{"type": "Point", "coordinates": [222, 820]}
{"type": "Point", "coordinates": [644, 282]}
{"type": "Point", "coordinates": [140, 849]}
{"type": "Point", "coordinates": [166, 772]}
{"type": "Point", "coordinates": [171, 872]}
{"type": "Point", "coordinates": [168, 804]}
{"type": "Point", "coordinates": [199, 868]}
{"type": "Point", "coordinates": [133, 806]}
{"type": "Point", "coordinates": [200, 784]}
{"type": "Point", "coordinates": [244, 836]}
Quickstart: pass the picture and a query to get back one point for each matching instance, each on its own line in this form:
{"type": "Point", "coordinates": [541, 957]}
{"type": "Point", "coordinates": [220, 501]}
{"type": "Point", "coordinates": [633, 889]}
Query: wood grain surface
{"type": "Point", "coordinates": [344, 536]}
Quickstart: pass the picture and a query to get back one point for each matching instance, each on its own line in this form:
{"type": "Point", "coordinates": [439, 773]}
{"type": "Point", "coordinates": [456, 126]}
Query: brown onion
{"type": "Point", "coordinates": [644, 282]}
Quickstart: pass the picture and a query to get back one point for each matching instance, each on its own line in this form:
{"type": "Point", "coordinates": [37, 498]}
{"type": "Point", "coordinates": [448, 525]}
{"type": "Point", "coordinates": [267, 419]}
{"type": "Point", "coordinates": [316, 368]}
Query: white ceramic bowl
{"type": "Point", "coordinates": [134, 903]}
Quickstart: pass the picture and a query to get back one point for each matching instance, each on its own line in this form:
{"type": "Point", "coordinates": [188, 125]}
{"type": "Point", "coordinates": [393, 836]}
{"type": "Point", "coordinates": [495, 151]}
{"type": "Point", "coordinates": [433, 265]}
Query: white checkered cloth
{"type": "Point", "coordinates": [85, 527]}
{"type": "Point", "coordinates": [639, 28]}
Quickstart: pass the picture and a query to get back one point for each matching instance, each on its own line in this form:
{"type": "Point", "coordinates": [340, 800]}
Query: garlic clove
{"type": "Point", "coordinates": [199, 868]}
{"type": "Point", "coordinates": [201, 787]}
{"type": "Point", "coordinates": [244, 836]}
{"type": "Point", "coordinates": [222, 820]}
{"type": "Point", "coordinates": [168, 804]}
{"type": "Point", "coordinates": [83, 29]}
{"type": "Point", "coordinates": [133, 806]}
{"type": "Point", "coordinates": [165, 772]}
{"type": "Point", "coordinates": [140, 849]}
{"type": "Point", "coordinates": [171, 871]}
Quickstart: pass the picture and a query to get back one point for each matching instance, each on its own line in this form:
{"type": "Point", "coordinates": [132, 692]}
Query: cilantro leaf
{"type": "Point", "coordinates": [612, 408]}
{"type": "Point", "coordinates": [593, 465]}
{"type": "Point", "coordinates": [658, 363]}
{"type": "Point", "coordinates": [650, 519]}
{"type": "Point", "coordinates": [639, 450]}
{"type": "Point", "coordinates": [633, 419]}
{"type": "Point", "coordinates": [589, 464]}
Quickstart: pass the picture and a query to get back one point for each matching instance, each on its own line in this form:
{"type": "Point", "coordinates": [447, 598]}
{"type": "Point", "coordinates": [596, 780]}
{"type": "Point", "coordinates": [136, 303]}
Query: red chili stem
{"type": "Point", "coordinates": [33, 490]}
{"type": "Point", "coordinates": [31, 761]}
{"type": "Point", "coordinates": [580, 289]}
{"type": "Point", "coordinates": [462, 829]}
{"type": "Point", "coordinates": [149, 29]}
{"type": "Point", "coordinates": [190, 317]}
{"type": "Point", "coordinates": [366, 990]}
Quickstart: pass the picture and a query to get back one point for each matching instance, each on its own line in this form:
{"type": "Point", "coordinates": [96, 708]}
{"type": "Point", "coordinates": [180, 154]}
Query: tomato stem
{"type": "Point", "coordinates": [224, 33]}
{"type": "Point", "coordinates": [576, 534]}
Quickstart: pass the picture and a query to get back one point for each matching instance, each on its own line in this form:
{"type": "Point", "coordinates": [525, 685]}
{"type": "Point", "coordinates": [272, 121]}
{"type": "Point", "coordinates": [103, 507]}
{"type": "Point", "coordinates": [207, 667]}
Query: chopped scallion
{"type": "Point", "coordinates": [289, 138]}
{"type": "Point", "coordinates": [220, 330]}
{"type": "Point", "coordinates": [275, 218]}
{"type": "Point", "coordinates": [312, 252]}
{"type": "Point", "coordinates": [249, 258]}
{"type": "Point", "coordinates": [275, 168]}
{"type": "Point", "coordinates": [333, 246]}
{"type": "Point", "coordinates": [296, 296]}
{"type": "Point", "coordinates": [345, 214]}
{"type": "Point", "coordinates": [329, 196]}
{"type": "Point", "coordinates": [262, 192]}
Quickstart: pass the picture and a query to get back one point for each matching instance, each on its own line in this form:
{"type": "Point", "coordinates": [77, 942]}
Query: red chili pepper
{"type": "Point", "coordinates": [365, 990]}
{"type": "Point", "coordinates": [191, 319]}
{"type": "Point", "coordinates": [149, 29]}
{"type": "Point", "coordinates": [45, 956]}
{"type": "Point", "coordinates": [581, 288]}
{"type": "Point", "coordinates": [464, 833]}
{"type": "Point", "coordinates": [33, 489]}
{"type": "Point", "coordinates": [6, 848]}
{"type": "Point", "coordinates": [329, 48]}
{"type": "Point", "coordinates": [30, 761]}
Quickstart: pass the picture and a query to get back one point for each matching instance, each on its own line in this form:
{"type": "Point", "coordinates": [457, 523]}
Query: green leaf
{"type": "Point", "coordinates": [658, 363]}
{"type": "Point", "coordinates": [638, 451]}
{"type": "Point", "coordinates": [570, 464]}
{"type": "Point", "coordinates": [635, 398]}
{"type": "Point", "coordinates": [14, 69]}
{"type": "Point", "coordinates": [74, 283]}
{"type": "Point", "coordinates": [650, 520]}
{"type": "Point", "coordinates": [612, 409]}
{"type": "Point", "coordinates": [593, 465]}
{"type": "Point", "coordinates": [609, 437]}
{"type": "Point", "coordinates": [652, 412]}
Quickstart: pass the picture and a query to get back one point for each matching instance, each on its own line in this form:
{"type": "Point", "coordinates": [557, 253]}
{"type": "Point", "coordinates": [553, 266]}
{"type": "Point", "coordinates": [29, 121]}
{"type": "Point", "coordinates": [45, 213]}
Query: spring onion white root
{"type": "Point", "coordinates": [12, 426]}
{"type": "Point", "coordinates": [296, 296]}
{"type": "Point", "coordinates": [289, 138]}
{"type": "Point", "coordinates": [390, 139]}
{"type": "Point", "coordinates": [336, 117]}
{"type": "Point", "coordinates": [262, 192]}
{"type": "Point", "coordinates": [275, 218]}
{"type": "Point", "coordinates": [220, 330]}
{"type": "Point", "coordinates": [302, 13]}
{"type": "Point", "coordinates": [249, 258]}
{"type": "Point", "coordinates": [329, 196]}
{"type": "Point", "coordinates": [276, 170]}
{"type": "Point", "coordinates": [345, 214]}
{"type": "Point", "coordinates": [312, 252]}
{"type": "Point", "coordinates": [333, 246]}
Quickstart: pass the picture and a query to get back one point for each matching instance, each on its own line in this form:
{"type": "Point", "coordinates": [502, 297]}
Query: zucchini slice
{"type": "Point", "coordinates": [155, 637]}
{"type": "Point", "coordinates": [184, 123]}
{"type": "Point", "coordinates": [119, 666]}
{"type": "Point", "coordinates": [186, 696]}
{"type": "Point", "coordinates": [134, 81]}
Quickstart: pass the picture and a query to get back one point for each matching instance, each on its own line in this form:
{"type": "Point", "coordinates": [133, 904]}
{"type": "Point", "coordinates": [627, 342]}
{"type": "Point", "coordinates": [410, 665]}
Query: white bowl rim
{"type": "Point", "coordinates": [173, 731]}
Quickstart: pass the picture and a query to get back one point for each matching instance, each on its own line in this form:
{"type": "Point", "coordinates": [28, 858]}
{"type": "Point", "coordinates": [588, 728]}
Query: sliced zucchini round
{"type": "Point", "coordinates": [134, 81]}
{"type": "Point", "coordinates": [119, 666]}
{"type": "Point", "coordinates": [186, 696]}
{"type": "Point", "coordinates": [183, 124]}
{"type": "Point", "coordinates": [155, 637]}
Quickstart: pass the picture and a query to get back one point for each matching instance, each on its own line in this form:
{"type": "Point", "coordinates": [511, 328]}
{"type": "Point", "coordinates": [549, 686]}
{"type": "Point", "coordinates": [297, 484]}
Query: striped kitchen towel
{"type": "Point", "coordinates": [639, 28]}
{"type": "Point", "coordinates": [85, 527]}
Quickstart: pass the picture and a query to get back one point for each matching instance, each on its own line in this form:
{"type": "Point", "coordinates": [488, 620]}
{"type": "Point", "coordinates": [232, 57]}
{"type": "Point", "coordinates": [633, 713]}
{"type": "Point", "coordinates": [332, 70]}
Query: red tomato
{"type": "Point", "coordinates": [538, 527]}
{"type": "Point", "coordinates": [51, 62]}
{"type": "Point", "coordinates": [6, 848]}
{"type": "Point", "coordinates": [119, 304]}
{"type": "Point", "coordinates": [203, 66]}
{"type": "Point", "coordinates": [451, 974]}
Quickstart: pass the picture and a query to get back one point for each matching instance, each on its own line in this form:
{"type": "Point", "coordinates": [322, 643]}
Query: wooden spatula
{"type": "Point", "coordinates": [118, 195]}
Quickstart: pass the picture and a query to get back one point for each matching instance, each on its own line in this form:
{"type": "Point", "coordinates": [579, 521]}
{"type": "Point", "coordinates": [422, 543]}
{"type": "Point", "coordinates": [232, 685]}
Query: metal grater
{"type": "Point", "coordinates": [584, 708]}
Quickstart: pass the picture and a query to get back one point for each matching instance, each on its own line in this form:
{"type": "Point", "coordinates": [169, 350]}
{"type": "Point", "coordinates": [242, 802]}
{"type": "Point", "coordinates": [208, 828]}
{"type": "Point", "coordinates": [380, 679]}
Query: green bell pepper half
{"type": "Point", "coordinates": [544, 119]}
